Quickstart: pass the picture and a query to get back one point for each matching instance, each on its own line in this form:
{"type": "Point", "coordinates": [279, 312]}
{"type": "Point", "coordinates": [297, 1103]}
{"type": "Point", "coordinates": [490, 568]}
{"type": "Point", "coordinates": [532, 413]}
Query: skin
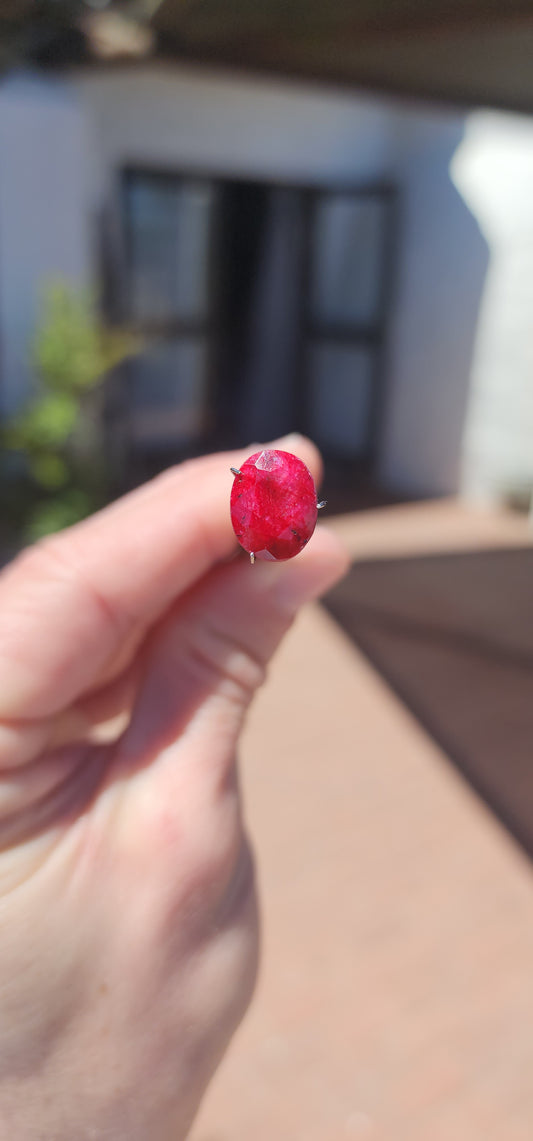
{"type": "Point", "coordinates": [130, 648]}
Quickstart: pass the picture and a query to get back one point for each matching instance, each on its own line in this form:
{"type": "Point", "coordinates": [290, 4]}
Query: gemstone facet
{"type": "Point", "coordinates": [273, 505]}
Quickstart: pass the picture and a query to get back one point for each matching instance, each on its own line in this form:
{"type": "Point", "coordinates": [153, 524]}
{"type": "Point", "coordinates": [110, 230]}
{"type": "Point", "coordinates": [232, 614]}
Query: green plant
{"type": "Point", "coordinates": [56, 434]}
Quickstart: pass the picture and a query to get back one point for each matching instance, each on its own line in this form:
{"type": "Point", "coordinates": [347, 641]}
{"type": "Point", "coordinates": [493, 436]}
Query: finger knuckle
{"type": "Point", "coordinates": [219, 852]}
{"type": "Point", "coordinates": [236, 669]}
{"type": "Point", "coordinates": [211, 855]}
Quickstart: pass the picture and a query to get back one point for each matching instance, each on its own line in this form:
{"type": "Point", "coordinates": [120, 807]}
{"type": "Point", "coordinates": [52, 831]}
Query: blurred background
{"type": "Point", "coordinates": [221, 221]}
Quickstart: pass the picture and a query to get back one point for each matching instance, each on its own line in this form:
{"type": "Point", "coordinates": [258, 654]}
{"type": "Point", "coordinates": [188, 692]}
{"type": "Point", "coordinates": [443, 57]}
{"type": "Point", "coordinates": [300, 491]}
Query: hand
{"type": "Point", "coordinates": [130, 648]}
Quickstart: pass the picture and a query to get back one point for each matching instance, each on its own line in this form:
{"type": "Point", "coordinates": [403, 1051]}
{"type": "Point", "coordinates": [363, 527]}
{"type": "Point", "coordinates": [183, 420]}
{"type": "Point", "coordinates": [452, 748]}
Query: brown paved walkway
{"type": "Point", "coordinates": [396, 995]}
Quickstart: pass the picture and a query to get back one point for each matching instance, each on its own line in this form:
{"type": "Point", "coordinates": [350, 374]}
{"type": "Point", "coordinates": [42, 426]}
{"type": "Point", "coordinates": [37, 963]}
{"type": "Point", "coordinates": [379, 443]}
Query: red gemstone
{"type": "Point", "coordinates": [273, 505]}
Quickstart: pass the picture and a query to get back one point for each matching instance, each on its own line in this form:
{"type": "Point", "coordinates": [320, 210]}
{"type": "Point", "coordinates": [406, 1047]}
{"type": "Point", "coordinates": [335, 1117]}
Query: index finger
{"type": "Point", "coordinates": [67, 605]}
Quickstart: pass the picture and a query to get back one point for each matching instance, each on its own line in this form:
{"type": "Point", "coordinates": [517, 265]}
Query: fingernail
{"type": "Point", "coordinates": [283, 443]}
{"type": "Point", "coordinates": [292, 440]}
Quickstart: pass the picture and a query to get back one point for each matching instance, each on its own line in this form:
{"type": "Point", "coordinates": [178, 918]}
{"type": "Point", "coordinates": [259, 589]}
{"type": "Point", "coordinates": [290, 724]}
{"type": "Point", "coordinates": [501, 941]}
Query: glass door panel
{"type": "Point", "coordinates": [348, 247]}
{"type": "Point", "coordinates": [344, 327]}
{"type": "Point", "coordinates": [168, 393]}
{"type": "Point", "coordinates": [340, 379]}
{"type": "Point", "coordinates": [169, 228]}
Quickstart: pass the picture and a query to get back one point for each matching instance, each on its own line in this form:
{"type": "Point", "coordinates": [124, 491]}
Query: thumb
{"type": "Point", "coordinates": [206, 662]}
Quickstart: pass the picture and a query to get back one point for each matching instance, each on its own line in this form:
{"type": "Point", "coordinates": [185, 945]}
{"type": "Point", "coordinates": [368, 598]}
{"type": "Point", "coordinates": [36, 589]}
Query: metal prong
{"type": "Point", "coordinates": [252, 557]}
{"type": "Point", "coordinates": [321, 504]}
{"type": "Point", "coordinates": [236, 470]}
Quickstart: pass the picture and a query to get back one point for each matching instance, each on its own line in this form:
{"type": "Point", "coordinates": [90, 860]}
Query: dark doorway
{"type": "Point", "coordinates": [261, 287]}
{"type": "Point", "coordinates": [242, 225]}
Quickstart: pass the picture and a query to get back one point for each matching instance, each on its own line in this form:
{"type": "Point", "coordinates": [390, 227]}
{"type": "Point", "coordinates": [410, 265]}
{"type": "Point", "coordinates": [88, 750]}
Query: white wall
{"type": "Point", "coordinates": [494, 170]}
{"type": "Point", "coordinates": [44, 212]}
{"type": "Point", "coordinates": [179, 117]}
{"type": "Point", "coordinates": [440, 271]}
{"type": "Point", "coordinates": [183, 117]}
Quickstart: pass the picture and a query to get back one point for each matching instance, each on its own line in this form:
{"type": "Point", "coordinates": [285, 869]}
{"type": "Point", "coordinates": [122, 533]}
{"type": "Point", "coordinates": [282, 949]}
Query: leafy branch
{"type": "Point", "coordinates": [56, 434]}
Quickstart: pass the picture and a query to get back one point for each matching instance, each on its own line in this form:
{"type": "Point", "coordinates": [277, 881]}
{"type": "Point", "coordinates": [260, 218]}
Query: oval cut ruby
{"type": "Point", "coordinates": [273, 505]}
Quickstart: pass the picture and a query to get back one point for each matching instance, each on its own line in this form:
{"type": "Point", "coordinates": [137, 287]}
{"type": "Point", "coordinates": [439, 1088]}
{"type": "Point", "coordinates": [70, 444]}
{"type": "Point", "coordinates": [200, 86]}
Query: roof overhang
{"type": "Point", "coordinates": [461, 51]}
{"type": "Point", "coordinates": [471, 52]}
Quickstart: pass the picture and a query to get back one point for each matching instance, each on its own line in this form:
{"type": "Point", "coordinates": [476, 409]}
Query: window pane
{"type": "Point", "coordinates": [168, 223]}
{"type": "Point", "coordinates": [168, 392]}
{"type": "Point", "coordinates": [347, 260]}
{"type": "Point", "coordinates": [340, 398]}
{"type": "Point", "coordinates": [194, 201]}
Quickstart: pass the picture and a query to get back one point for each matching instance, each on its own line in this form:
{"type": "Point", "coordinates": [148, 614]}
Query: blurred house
{"type": "Point", "coordinates": [295, 256]}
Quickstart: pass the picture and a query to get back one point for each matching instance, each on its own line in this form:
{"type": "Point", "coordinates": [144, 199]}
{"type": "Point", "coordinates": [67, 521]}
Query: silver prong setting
{"type": "Point", "coordinates": [252, 557]}
{"type": "Point", "coordinates": [236, 470]}
{"type": "Point", "coordinates": [321, 504]}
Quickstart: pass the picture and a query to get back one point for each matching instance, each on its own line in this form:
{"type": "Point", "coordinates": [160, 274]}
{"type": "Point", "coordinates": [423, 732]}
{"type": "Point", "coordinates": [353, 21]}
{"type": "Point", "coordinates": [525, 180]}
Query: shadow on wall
{"type": "Point", "coordinates": [453, 635]}
{"type": "Point", "coordinates": [442, 260]}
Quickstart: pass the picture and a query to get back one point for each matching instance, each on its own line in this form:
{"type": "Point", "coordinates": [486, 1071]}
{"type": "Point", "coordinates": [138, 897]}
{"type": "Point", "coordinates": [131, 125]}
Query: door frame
{"type": "Point", "coordinates": [311, 194]}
